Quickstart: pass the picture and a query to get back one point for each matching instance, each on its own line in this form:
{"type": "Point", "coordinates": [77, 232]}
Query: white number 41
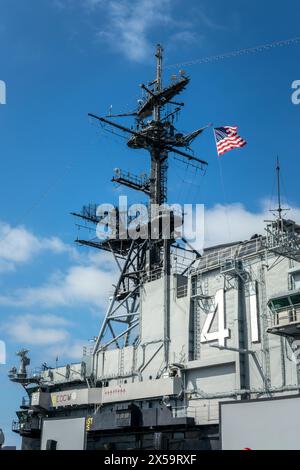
{"type": "Point", "coordinates": [216, 309]}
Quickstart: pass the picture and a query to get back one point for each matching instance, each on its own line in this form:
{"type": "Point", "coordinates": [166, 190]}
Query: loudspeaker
{"type": "Point", "coordinates": [51, 444]}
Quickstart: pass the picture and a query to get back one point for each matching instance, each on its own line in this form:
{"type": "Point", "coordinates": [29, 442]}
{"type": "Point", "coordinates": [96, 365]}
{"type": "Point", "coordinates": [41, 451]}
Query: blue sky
{"type": "Point", "coordinates": [60, 60]}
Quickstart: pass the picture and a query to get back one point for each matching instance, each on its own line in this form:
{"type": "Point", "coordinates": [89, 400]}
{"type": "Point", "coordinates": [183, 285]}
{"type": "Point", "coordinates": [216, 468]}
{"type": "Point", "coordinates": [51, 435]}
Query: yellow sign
{"type": "Point", "coordinates": [88, 423]}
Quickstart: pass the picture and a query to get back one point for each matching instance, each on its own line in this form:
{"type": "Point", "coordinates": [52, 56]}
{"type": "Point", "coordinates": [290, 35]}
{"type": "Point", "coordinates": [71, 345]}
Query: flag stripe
{"type": "Point", "coordinates": [230, 139]}
{"type": "Point", "coordinates": [225, 149]}
{"type": "Point", "coordinates": [229, 147]}
{"type": "Point", "coordinates": [227, 142]}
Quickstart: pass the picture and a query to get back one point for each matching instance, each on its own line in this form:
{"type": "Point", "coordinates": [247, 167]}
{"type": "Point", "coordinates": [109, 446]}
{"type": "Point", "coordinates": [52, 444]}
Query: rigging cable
{"type": "Point", "coordinates": [236, 53]}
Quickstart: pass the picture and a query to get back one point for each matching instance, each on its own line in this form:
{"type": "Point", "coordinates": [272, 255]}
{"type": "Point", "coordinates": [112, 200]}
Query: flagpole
{"type": "Point", "coordinates": [223, 187]}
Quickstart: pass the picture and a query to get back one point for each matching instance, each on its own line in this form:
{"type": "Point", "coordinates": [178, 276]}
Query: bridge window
{"type": "Point", "coordinates": [294, 280]}
{"type": "Point", "coordinates": [181, 287]}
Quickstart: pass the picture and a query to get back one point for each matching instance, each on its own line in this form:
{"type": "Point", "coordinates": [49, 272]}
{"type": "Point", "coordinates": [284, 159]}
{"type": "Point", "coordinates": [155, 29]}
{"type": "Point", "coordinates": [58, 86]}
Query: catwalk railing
{"type": "Point", "coordinates": [215, 258]}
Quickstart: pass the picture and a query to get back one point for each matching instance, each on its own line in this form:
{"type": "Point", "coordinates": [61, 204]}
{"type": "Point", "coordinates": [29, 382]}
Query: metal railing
{"type": "Point", "coordinates": [280, 238]}
{"type": "Point", "coordinates": [181, 260]}
{"type": "Point", "coordinates": [15, 426]}
{"type": "Point", "coordinates": [152, 275]}
{"type": "Point", "coordinates": [141, 180]}
{"type": "Point", "coordinates": [26, 427]}
{"type": "Point", "coordinates": [31, 376]}
{"type": "Point", "coordinates": [215, 259]}
{"type": "Point", "coordinates": [20, 426]}
{"type": "Point", "coordinates": [286, 316]}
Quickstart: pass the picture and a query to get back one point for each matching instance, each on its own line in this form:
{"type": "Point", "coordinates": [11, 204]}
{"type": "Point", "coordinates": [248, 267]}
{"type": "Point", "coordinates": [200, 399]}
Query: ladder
{"type": "Point", "coordinates": [121, 364]}
{"type": "Point", "coordinates": [265, 336]}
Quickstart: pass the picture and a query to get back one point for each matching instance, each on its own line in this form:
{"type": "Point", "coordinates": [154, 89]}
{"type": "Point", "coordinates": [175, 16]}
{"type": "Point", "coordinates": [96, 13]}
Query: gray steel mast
{"type": "Point", "coordinates": [158, 157]}
{"type": "Point", "coordinates": [138, 260]}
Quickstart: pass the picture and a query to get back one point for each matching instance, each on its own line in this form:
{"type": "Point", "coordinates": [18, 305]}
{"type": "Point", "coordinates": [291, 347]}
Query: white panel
{"type": "Point", "coordinates": [139, 390]}
{"type": "Point", "coordinates": [112, 359]}
{"type": "Point", "coordinates": [179, 327]}
{"type": "Point", "coordinates": [69, 433]}
{"type": "Point", "coordinates": [150, 359]}
{"type": "Point", "coordinates": [204, 411]}
{"type": "Point", "coordinates": [261, 425]}
{"type": "Point", "coordinates": [211, 379]}
{"type": "Point", "coordinates": [152, 311]}
{"type": "Point", "coordinates": [253, 312]}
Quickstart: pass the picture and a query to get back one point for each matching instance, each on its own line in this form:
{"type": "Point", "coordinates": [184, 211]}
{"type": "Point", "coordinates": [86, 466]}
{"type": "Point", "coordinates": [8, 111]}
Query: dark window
{"type": "Point", "coordinates": [295, 299]}
{"type": "Point", "coordinates": [281, 303]}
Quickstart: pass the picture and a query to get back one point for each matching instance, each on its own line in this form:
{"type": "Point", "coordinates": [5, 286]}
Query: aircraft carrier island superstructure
{"type": "Point", "coordinates": [183, 330]}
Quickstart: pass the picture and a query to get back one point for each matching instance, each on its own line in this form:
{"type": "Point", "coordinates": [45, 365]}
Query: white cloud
{"type": "Point", "coordinates": [130, 22]}
{"type": "Point", "coordinates": [19, 245]}
{"type": "Point", "coordinates": [80, 285]}
{"type": "Point", "coordinates": [188, 37]}
{"type": "Point", "coordinates": [209, 22]}
{"type": "Point", "coordinates": [233, 222]}
{"type": "Point", "coordinates": [133, 27]}
{"type": "Point", "coordinates": [101, 259]}
{"type": "Point", "coordinates": [68, 350]}
{"type": "Point", "coordinates": [87, 282]}
{"type": "Point", "coordinates": [46, 320]}
{"type": "Point", "coordinates": [39, 330]}
{"type": "Point", "coordinates": [49, 332]}
{"type": "Point", "coordinates": [128, 25]}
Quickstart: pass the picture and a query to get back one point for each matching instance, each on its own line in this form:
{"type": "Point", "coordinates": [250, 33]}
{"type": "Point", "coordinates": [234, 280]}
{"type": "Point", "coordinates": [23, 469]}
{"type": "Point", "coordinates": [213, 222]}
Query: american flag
{"type": "Point", "coordinates": [227, 138]}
